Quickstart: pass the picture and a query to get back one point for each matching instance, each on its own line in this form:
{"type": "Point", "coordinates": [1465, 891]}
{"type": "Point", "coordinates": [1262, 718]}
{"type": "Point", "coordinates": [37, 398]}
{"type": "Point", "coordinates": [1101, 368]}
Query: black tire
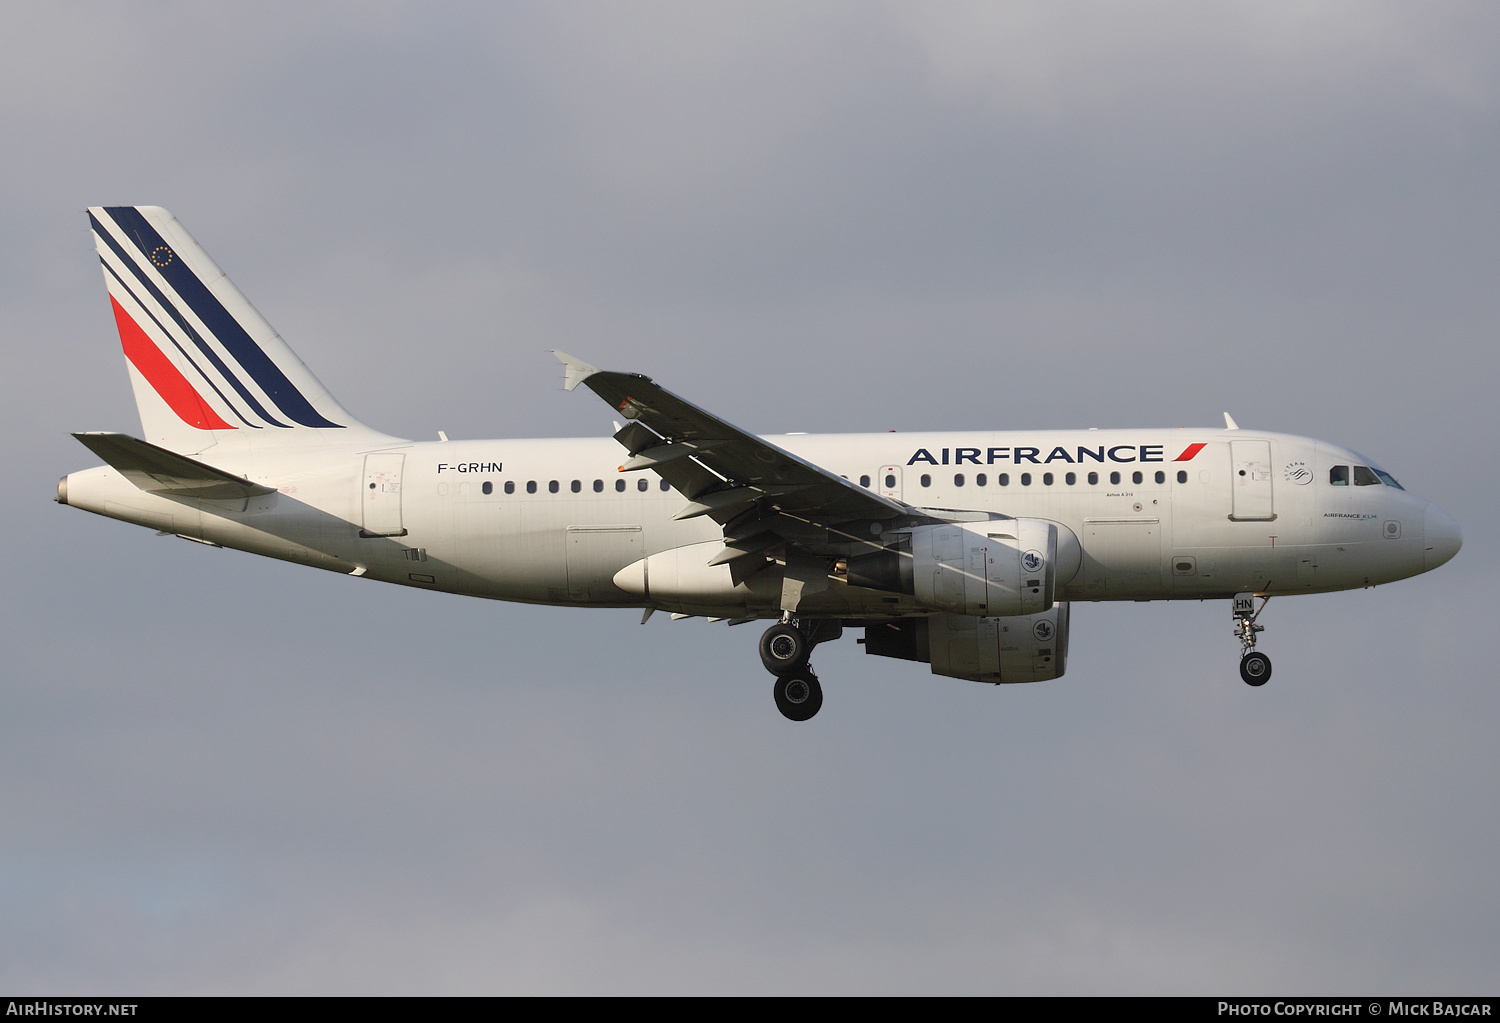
{"type": "Point", "coordinates": [798, 696]}
{"type": "Point", "coordinates": [1255, 669]}
{"type": "Point", "coordinates": [784, 649]}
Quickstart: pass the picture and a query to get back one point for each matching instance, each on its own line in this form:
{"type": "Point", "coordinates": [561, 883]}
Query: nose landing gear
{"type": "Point", "coordinates": [1255, 667]}
{"type": "Point", "coordinates": [784, 650]}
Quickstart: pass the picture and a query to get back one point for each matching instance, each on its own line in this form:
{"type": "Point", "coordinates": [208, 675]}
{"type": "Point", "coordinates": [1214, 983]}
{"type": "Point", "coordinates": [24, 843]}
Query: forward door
{"type": "Point", "coordinates": [1251, 480]}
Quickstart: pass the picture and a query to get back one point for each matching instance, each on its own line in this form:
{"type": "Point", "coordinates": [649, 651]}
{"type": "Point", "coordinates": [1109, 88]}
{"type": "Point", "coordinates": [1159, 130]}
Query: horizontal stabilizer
{"type": "Point", "coordinates": [159, 471]}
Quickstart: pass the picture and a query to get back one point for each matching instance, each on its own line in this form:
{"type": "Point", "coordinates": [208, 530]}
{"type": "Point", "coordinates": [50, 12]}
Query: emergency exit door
{"type": "Point", "coordinates": [382, 494]}
{"type": "Point", "coordinates": [888, 483]}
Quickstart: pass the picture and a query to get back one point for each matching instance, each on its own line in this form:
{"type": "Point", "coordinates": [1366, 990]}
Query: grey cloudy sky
{"type": "Point", "coordinates": [224, 774]}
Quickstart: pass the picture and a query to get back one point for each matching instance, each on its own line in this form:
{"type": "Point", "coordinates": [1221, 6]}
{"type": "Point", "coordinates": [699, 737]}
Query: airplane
{"type": "Point", "coordinates": [958, 550]}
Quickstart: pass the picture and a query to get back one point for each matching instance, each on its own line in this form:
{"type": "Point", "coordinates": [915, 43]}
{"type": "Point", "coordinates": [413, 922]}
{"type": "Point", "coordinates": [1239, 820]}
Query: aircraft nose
{"type": "Point", "coordinates": [1442, 537]}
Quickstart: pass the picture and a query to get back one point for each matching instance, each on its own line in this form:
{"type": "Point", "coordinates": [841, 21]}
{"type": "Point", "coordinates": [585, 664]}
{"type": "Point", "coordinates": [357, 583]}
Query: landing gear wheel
{"type": "Point", "coordinates": [784, 649]}
{"type": "Point", "coordinates": [798, 696]}
{"type": "Point", "coordinates": [1255, 669]}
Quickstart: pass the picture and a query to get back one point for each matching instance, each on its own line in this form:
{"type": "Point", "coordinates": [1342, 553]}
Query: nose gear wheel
{"type": "Point", "coordinates": [1255, 668]}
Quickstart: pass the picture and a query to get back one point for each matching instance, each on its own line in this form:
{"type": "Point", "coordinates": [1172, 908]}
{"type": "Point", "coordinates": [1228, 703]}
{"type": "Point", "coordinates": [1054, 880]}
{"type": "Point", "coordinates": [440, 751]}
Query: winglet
{"type": "Point", "coordinates": [1229, 423]}
{"type": "Point", "coordinates": [575, 371]}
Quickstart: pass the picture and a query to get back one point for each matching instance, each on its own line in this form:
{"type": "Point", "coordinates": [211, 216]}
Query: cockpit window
{"type": "Point", "coordinates": [1369, 474]}
{"type": "Point", "coordinates": [1339, 475]}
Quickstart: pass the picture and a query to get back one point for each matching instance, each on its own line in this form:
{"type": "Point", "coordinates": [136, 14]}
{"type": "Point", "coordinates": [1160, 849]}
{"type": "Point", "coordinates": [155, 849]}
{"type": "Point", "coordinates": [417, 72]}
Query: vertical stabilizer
{"type": "Point", "coordinates": [205, 365]}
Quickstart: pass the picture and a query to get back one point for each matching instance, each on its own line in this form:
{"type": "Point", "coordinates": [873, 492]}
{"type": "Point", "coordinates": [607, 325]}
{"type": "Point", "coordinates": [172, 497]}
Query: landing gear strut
{"type": "Point", "coordinates": [784, 650]}
{"type": "Point", "coordinates": [1255, 667]}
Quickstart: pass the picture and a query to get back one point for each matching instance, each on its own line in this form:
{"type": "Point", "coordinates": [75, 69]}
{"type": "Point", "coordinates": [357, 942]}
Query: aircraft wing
{"type": "Point", "coordinates": [726, 472]}
{"type": "Point", "coordinates": [159, 471]}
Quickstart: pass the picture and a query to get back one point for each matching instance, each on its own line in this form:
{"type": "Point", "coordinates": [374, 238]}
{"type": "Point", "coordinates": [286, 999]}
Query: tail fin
{"type": "Point", "coordinates": [205, 366]}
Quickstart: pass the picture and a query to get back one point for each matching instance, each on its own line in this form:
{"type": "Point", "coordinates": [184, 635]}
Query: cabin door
{"type": "Point", "coordinates": [1250, 477]}
{"type": "Point", "coordinates": [382, 494]}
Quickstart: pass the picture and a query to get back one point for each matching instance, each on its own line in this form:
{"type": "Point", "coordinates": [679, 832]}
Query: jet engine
{"type": "Point", "coordinates": [1002, 567]}
{"type": "Point", "coordinates": [1013, 648]}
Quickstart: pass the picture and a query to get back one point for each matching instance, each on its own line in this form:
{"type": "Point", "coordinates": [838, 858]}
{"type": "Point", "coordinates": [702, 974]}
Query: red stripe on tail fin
{"type": "Point", "coordinates": [164, 377]}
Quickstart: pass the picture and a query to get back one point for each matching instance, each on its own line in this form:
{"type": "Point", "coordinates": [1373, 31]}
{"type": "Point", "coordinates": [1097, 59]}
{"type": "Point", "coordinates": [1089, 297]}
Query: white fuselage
{"type": "Point", "coordinates": [545, 521]}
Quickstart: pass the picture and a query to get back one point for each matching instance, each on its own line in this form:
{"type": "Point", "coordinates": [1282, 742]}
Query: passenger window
{"type": "Point", "coordinates": [510, 486]}
{"type": "Point", "coordinates": [1136, 477]}
{"type": "Point", "coordinates": [531, 486]}
{"type": "Point", "coordinates": [1181, 475]}
{"type": "Point", "coordinates": [488, 488]}
{"type": "Point", "coordinates": [1025, 479]}
{"type": "Point", "coordinates": [890, 481]}
{"type": "Point", "coordinates": [864, 481]}
{"type": "Point", "coordinates": [552, 487]}
{"type": "Point", "coordinates": [1114, 478]}
{"type": "Point", "coordinates": [926, 480]}
{"type": "Point", "coordinates": [577, 486]}
{"type": "Point", "coordinates": [1365, 477]}
{"type": "Point", "coordinates": [642, 485]}
{"type": "Point", "coordinates": [1339, 475]}
{"type": "Point", "coordinates": [665, 486]}
{"type": "Point", "coordinates": [620, 486]}
{"type": "Point", "coordinates": [1161, 477]}
{"type": "Point", "coordinates": [1047, 478]}
{"type": "Point", "coordinates": [980, 479]}
{"type": "Point", "coordinates": [598, 486]}
{"type": "Point", "coordinates": [958, 479]}
{"type": "Point", "coordinates": [1003, 479]}
{"type": "Point", "coordinates": [1071, 478]}
{"type": "Point", "coordinates": [1093, 479]}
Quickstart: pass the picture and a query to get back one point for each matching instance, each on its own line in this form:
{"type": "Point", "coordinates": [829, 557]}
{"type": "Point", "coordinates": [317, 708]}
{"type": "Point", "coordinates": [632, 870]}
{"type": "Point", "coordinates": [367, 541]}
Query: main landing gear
{"type": "Point", "coordinates": [1255, 667]}
{"type": "Point", "coordinates": [784, 650]}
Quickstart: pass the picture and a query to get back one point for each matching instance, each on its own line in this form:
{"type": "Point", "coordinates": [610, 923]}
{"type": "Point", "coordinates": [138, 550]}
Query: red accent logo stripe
{"type": "Point", "coordinates": [1189, 452]}
{"type": "Point", "coordinates": [180, 396]}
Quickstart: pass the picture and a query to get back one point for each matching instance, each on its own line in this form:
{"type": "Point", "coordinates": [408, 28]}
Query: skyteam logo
{"type": "Point", "coordinates": [1043, 630]}
{"type": "Point", "coordinates": [1033, 561]}
{"type": "Point", "coordinates": [1298, 473]}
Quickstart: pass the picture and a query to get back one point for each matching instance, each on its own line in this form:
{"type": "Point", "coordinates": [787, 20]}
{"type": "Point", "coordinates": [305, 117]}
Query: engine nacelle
{"type": "Point", "coordinates": [1015, 648]}
{"type": "Point", "coordinates": [1004, 567]}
